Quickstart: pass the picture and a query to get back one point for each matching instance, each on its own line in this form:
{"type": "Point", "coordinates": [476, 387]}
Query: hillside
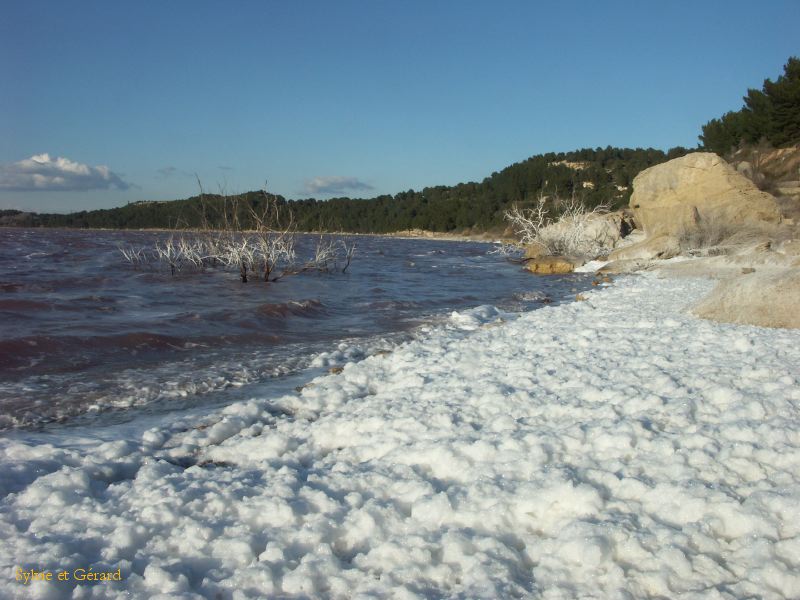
{"type": "Point", "coordinates": [596, 176]}
{"type": "Point", "coordinates": [770, 116]}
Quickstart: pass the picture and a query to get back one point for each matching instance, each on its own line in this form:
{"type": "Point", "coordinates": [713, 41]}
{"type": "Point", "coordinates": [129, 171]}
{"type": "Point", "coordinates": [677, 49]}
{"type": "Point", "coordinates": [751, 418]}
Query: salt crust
{"type": "Point", "coordinates": [612, 448]}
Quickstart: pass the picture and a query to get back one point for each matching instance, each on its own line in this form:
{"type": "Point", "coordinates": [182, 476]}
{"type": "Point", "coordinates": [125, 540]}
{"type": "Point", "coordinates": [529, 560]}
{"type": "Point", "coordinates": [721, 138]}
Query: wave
{"type": "Point", "coordinates": [393, 305]}
{"type": "Point", "coordinates": [172, 385]}
{"type": "Point", "coordinates": [293, 308]}
{"type": "Point", "coordinates": [76, 351]}
{"type": "Point", "coordinates": [20, 304]}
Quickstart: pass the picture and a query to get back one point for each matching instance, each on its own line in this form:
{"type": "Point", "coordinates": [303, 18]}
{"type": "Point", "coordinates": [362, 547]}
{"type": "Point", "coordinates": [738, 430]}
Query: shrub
{"type": "Point", "coordinates": [712, 234]}
{"type": "Point", "coordinates": [561, 227]}
{"type": "Point", "coordinates": [265, 249]}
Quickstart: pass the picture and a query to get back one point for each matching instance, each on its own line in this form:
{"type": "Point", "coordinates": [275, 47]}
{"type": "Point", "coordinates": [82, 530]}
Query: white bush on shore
{"type": "Point", "coordinates": [573, 232]}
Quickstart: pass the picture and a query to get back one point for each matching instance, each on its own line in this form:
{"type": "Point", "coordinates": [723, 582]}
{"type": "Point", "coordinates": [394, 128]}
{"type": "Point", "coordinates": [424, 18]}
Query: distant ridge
{"type": "Point", "coordinates": [595, 176]}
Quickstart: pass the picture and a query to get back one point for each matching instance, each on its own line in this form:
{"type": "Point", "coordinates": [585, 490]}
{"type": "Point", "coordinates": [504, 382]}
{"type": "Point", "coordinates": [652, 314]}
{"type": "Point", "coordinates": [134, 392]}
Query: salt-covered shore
{"type": "Point", "coordinates": [612, 448]}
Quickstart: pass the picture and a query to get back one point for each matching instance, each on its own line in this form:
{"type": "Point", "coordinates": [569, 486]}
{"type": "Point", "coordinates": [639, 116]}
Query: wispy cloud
{"type": "Point", "coordinates": [170, 171]}
{"type": "Point", "coordinates": [43, 173]}
{"type": "Point", "coordinates": [166, 172]}
{"type": "Point", "coordinates": [335, 185]}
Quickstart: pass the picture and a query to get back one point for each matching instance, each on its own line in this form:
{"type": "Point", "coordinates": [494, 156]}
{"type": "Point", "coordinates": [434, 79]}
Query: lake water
{"type": "Point", "coordinates": [83, 335]}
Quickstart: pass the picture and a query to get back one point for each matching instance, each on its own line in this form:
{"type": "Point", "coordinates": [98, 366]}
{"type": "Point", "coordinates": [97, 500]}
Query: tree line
{"type": "Point", "coordinates": [599, 176]}
{"type": "Point", "coordinates": [771, 114]}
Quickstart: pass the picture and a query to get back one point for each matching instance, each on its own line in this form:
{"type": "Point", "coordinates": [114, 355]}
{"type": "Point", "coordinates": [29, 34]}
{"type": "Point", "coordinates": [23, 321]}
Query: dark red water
{"type": "Point", "coordinates": [81, 331]}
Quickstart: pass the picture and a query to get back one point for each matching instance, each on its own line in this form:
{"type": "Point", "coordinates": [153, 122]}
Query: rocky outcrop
{"type": "Point", "coordinates": [699, 202]}
{"type": "Point", "coordinates": [693, 203]}
{"type": "Point", "coordinates": [767, 298]}
{"type": "Point", "coordinates": [773, 169]}
{"type": "Point", "coordinates": [789, 248]}
{"type": "Point", "coordinates": [671, 197]}
{"type": "Point", "coordinates": [610, 228]}
{"type": "Point", "coordinates": [659, 247]}
{"type": "Point", "coordinates": [624, 266]}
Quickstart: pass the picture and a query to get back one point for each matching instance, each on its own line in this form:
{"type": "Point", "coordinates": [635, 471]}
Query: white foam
{"type": "Point", "coordinates": [591, 266]}
{"type": "Point", "coordinates": [612, 448]}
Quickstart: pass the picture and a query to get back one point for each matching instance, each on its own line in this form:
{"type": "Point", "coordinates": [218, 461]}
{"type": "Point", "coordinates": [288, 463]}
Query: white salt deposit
{"type": "Point", "coordinates": [592, 266]}
{"type": "Point", "coordinates": [612, 448]}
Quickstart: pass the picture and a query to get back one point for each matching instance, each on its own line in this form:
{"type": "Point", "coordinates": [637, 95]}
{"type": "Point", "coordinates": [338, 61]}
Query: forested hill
{"type": "Point", "coordinates": [595, 176]}
{"type": "Point", "coordinates": [771, 114]}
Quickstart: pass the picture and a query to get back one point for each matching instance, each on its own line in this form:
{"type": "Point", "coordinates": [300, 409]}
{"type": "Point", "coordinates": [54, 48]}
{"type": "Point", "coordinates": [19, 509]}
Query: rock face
{"type": "Point", "coordinates": [775, 168]}
{"type": "Point", "coordinates": [609, 228]}
{"type": "Point", "coordinates": [790, 247]}
{"type": "Point", "coordinates": [767, 299]}
{"type": "Point", "coordinates": [623, 266]}
{"type": "Point", "coordinates": [672, 196]}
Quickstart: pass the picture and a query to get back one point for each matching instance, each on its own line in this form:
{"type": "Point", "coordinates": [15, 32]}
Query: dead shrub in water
{"type": "Point", "coordinates": [267, 247]}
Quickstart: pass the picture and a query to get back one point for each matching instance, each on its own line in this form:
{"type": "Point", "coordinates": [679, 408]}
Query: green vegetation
{"type": "Point", "coordinates": [771, 114]}
{"type": "Point", "coordinates": [591, 176]}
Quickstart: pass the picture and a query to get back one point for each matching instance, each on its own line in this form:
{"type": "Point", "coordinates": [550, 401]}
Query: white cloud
{"type": "Point", "coordinates": [335, 185]}
{"type": "Point", "coordinates": [43, 173]}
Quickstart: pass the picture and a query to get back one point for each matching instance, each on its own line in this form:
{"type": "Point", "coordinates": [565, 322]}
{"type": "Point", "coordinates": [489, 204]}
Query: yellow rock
{"type": "Point", "coordinates": [670, 197]}
{"type": "Point", "coordinates": [551, 265]}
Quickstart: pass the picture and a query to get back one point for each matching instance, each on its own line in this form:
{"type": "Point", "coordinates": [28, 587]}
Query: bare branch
{"type": "Point", "coordinates": [573, 233]}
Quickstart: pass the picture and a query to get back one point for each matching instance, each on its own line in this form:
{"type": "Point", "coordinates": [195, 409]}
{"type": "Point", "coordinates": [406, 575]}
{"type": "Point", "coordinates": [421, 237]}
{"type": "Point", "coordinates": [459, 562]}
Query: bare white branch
{"type": "Point", "coordinates": [573, 232]}
{"type": "Point", "coordinates": [268, 248]}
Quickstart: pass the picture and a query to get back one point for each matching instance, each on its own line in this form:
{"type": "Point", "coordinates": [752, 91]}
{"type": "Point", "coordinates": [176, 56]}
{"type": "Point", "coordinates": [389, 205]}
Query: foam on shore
{"type": "Point", "coordinates": [613, 448]}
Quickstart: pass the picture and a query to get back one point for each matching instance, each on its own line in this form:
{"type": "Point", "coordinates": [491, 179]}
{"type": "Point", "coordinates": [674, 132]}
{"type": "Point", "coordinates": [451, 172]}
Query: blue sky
{"type": "Point", "coordinates": [357, 98]}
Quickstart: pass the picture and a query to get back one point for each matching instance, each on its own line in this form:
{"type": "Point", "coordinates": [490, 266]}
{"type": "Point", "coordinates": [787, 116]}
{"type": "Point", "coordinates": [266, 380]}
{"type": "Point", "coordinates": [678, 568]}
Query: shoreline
{"type": "Point", "coordinates": [412, 234]}
{"type": "Point", "coordinates": [578, 445]}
